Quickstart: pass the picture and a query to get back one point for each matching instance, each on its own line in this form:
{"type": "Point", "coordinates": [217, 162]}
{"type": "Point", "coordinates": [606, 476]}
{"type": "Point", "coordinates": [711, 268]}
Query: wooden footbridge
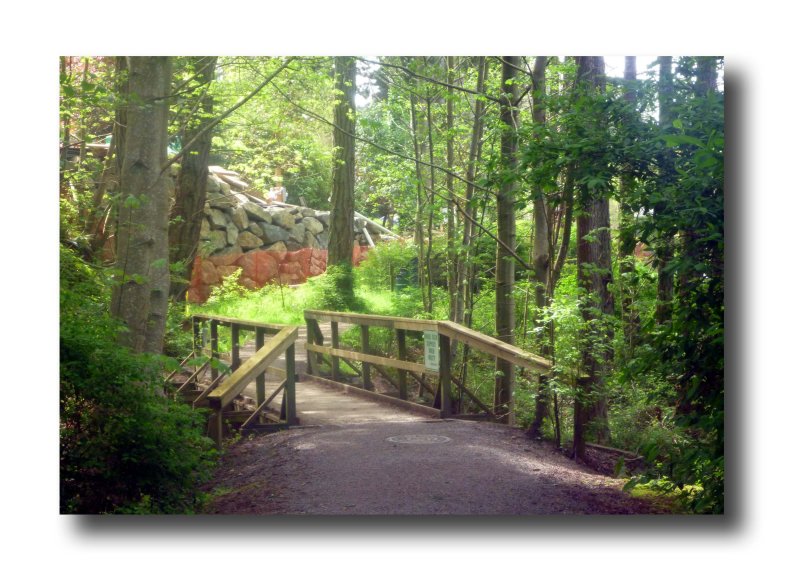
{"type": "Point", "coordinates": [340, 368]}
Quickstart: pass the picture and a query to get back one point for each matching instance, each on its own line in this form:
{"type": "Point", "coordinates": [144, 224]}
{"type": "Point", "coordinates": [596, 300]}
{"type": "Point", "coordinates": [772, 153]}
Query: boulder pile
{"type": "Point", "coordinates": [261, 241]}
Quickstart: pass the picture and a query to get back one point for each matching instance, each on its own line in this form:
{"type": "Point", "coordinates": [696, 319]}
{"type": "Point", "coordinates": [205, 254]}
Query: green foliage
{"type": "Point", "coordinates": [125, 448]}
{"type": "Point", "coordinates": [335, 289]}
{"type": "Point", "coordinates": [270, 134]}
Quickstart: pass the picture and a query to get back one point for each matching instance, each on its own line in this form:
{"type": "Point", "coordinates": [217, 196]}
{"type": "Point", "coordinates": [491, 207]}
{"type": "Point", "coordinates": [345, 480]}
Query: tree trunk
{"type": "Point", "coordinates": [506, 233]}
{"type": "Point", "coordinates": [594, 278]}
{"type": "Point", "coordinates": [463, 281]}
{"type": "Point", "coordinates": [419, 232]}
{"type": "Point", "coordinates": [665, 248]}
{"type": "Point", "coordinates": [140, 297]}
{"type": "Point", "coordinates": [190, 194]}
{"type": "Point", "coordinates": [541, 249]}
{"type": "Point", "coordinates": [452, 253]}
{"type": "Point", "coordinates": [340, 248]}
{"type": "Point", "coordinates": [627, 233]}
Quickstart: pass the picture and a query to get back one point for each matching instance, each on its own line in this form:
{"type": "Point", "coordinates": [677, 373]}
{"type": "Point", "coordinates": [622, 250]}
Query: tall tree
{"type": "Point", "coordinates": [507, 234]}
{"type": "Point", "coordinates": [665, 248]}
{"type": "Point", "coordinates": [541, 250]}
{"type": "Point", "coordinates": [140, 295]}
{"type": "Point", "coordinates": [340, 247]}
{"type": "Point", "coordinates": [464, 267]}
{"type": "Point", "coordinates": [594, 270]}
{"type": "Point", "coordinates": [190, 193]}
{"type": "Point", "coordinates": [627, 230]}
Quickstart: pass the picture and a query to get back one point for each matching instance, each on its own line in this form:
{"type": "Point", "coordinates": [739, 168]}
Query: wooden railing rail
{"type": "Point", "coordinates": [271, 341]}
{"type": "Point", "coordinates": [447, 332]}
{"type": "Point", "coordinates": [251, 369]}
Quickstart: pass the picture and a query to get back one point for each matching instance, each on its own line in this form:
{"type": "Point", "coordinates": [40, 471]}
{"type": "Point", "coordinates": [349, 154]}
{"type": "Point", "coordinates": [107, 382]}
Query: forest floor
{"type": "Point", "coordinates": [421, 467]}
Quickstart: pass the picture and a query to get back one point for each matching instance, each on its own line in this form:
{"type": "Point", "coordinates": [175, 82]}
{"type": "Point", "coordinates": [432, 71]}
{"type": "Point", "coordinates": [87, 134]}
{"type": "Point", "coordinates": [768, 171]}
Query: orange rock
{"type": "Point", "coordinates": [227, 259]}
{"type": "Point", "coordinates": [208, 273]}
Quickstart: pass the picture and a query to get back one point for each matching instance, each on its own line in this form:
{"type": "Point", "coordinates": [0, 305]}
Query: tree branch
{"type": "Point", "coordinates": [225, 115]}
{"type": "Point", "coordinates": [452, 197]}
{"type": "Point", "coordinates": [429, 79]}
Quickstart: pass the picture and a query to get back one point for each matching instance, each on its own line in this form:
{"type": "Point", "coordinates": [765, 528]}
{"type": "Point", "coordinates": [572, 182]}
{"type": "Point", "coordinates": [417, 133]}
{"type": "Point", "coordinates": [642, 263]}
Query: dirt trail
{"type": "Point", "coordinates": [410, 468]}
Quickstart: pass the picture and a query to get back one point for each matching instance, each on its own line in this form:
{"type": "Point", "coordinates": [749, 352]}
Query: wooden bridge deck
{"type": "Point", "coordinates": [324, 403]}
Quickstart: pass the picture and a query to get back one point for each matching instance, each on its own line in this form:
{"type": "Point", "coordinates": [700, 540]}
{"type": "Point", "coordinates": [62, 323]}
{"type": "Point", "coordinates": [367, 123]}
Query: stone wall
{"type": "Point", "coordinates": [263, 242]}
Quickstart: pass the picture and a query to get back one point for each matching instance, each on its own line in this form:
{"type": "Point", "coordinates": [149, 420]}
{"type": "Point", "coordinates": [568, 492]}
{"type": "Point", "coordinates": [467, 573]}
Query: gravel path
{"type": "Point", "coordinates": [429, 468]}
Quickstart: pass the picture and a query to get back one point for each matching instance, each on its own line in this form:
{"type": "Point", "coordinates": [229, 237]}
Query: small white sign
{"type": "Point", "coordinates": [431, 350]}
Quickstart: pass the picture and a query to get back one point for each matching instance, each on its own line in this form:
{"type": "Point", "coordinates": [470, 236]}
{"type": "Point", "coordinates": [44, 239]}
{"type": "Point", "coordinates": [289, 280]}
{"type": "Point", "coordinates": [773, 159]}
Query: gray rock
{"type": "Point", "coordinates": [312, 225]}
{"type": "Point", "coordinates": [255, 229]}
{"type": "Point", "coordinates": [248, 241]}
{"type": "Point", "coordinates": [307, 212]}
{"type": "Point", "coordinates": [239, 217]}
{"type": "Point", "coordinates": [293, 246]}
{"type": "Point", "coordinates": [283, 218]}
{"type": "Point", "coordinates": [298, 233]}
{"type": "Point", "coordinates": [212, 183]}
{"type": "Point", "coordinates": [225, 188]}
{"type": "Point", "coordinates": [205, 229]}
{"type": "Point", "coordinates": [256, 212]}
{"type": "Point", "coordinates": [323, 240]}
{"type": "Point", "coordinates": [324, 218]}
{"type": "Point", "coordinates": [311, 241]}
{"type": "Point", "coordinates": [272, 234]}
{"type": "Point", "coordinates": [233, 235]}
{"type": "Point", "coordinates": [222, 202]}
{"type": "Point", "coordinates": [217, 240]}
{"type": "Point", "coordinates": [218, 219]}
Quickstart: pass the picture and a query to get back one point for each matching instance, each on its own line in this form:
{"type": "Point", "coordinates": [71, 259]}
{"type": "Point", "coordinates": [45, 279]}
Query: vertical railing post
{"type": "Point", "coordinates": [365, 378]}
{"type": "Point", "coordinates": [291, 408]}
{"type": "Point", "coordinates": [214, 348]}
{"type": "Point", "coordinates": [445, 360]}
{"type": "Point", "coordinates": [261, 381]}
{"type": "Point", "coordinates": [216, 425]}
{"type": "Point", "coordinates": [311, 361]}
{"type": "Point", "coordinates": [235, 358]}
{"type": "Point", "coordinates": [402, 354]}
{"type": "Point", "coordinates": [197, 339]}
{"type": "Point", "coordinates": [335, 372]}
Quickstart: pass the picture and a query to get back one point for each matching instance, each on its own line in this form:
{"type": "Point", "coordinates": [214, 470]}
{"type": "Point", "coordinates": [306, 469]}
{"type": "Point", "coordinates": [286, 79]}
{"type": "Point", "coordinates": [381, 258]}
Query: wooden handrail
{"type": "Point", "coordinates": [453, 331]}
{"type": "Point", "coordinates": [257, 364]}
{"type": "Point", "coordinates": [396, 322]}
{"type": "Point", "coordinates": [494, 347]}
{"type": "Point", "coordinates": [242, 324]}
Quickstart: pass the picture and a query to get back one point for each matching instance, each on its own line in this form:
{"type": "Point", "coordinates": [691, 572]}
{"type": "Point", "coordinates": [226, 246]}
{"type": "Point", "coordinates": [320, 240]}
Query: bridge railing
{"type": "Point", "coordinates": [440, 337]}
{"type": "Point", "coordinates": [271, 341]}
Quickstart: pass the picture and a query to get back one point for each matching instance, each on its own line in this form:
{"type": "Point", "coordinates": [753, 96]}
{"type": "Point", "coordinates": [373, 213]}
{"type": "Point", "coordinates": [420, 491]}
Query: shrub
{"type": "Point", "coordinates": [124, 447]}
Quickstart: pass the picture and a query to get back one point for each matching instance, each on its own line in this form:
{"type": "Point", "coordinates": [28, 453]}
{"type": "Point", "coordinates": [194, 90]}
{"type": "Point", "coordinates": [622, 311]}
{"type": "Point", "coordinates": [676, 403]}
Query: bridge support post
{"type": "Point", "coordinates": [445, 360]}
{"type": "Point", "coordinates": [402, 355]}
{"type": "Point", "coordinates": [261, 382]}
{"type": "Point", "coordinates": [235, 358]}
{"type": "Point", "coordinates": [365, 378]}
{"type": "Point", "coordinates": [311, 338]}
{"type": "Point", "coordinates": [335, 372]}
{"type": "Point", "coordinates": [291, 409]}
{"type": "Point", "coordinates": [214, 348]}
{"type": "Point", "coordinates": [197, 338]}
